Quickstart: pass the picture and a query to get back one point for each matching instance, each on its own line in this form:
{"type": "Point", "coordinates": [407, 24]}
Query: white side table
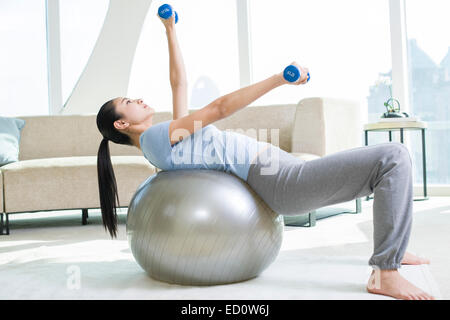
{"type": "Point", "coordinates": [402, 126]}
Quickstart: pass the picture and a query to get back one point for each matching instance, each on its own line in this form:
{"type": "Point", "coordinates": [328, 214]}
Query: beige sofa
{"type": "Point", "coordinates": [57, 167]}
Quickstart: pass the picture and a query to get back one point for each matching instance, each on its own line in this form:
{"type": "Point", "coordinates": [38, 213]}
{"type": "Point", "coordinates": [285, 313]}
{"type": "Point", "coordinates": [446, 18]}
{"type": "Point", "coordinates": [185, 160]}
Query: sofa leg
{"type": "Point", "coordinates": [84, 216]}
{"type": "Point", "coordinates": [301, 220]}
{"type": "Point", "coordinates": [358, 205]}
{"type": "Point", "coordinates": [4, 225]}
{"type": "Point", "coordinates": [312, 218]}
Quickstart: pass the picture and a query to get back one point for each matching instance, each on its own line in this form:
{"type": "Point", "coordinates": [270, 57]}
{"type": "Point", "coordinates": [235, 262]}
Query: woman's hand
{"type": "Point", "coordinates": [303, 75]}
{"type": "Point", "coordinates": [168, 23]}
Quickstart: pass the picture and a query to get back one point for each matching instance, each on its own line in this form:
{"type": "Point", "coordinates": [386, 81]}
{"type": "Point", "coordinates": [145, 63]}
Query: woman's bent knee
{"type": "Point", "coordinates": [398, 151]}
{"type": "Point", "coordinates": [403, 152]}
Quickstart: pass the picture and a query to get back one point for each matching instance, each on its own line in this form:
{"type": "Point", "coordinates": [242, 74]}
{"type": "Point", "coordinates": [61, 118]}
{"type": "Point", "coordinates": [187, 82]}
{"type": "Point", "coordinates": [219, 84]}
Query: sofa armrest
{"type": "Point", "coordinates": [326, 125]}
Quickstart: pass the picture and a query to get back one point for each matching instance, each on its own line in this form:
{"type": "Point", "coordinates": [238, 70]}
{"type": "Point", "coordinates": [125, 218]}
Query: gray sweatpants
{"type": "Point", "coordinates": [385, 169]}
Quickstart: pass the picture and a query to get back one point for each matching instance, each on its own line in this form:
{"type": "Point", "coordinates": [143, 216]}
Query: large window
{"type": "Point", "coordinates": [207, 34]}
{"type": "Point", "coordinates": [23, 58]}
{"type": "Point", "coordinates": [429, 68]}
{"type": "Point", "coordinates": [345, 44]}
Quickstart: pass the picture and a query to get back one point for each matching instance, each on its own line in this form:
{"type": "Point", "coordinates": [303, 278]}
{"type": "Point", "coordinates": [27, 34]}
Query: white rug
{"type": "Point", "coordinates": [57, 258]}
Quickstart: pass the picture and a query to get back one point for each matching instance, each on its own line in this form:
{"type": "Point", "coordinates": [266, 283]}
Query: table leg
{"type": "Point", "coordinates": [401, 135]}
{"type": "Point", "coordinates": [367, 143]}
{"type": "Point", "coordinates": [424, 165]}
{"type": "Point", "coordinates": [390, 136]}
{"type": "Point", "coordinates": [424, 168]}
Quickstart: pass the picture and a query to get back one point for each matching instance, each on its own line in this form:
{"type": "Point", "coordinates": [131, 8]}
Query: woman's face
{"type": "Point", "coordinates": [134, 112]}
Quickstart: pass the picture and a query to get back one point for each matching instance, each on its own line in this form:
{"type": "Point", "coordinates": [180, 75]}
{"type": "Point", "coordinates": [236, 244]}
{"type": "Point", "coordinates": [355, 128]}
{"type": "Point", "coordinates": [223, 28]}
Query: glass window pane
{"type": "Point", "coordinates": [23, 58]}
{"type": "Point", "coordinates": [80, 22]}
{"type": "Point", "coordinates": [207, 35]}
{"type": "Point", "coordinates": [429, 66]}
{"type": "Point", "coordinates": [345, 45]}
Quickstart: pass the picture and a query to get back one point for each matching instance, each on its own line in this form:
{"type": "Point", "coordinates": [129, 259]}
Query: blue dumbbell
{"type": "Point", "coordinates": [165, 12]}
{"type": "Point", "coordinates": [292, 74]}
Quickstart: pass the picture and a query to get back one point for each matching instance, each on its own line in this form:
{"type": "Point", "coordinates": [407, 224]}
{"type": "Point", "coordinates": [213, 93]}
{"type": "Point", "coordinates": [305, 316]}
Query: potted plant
{"type": "Point", "coordinates": [392, 105]}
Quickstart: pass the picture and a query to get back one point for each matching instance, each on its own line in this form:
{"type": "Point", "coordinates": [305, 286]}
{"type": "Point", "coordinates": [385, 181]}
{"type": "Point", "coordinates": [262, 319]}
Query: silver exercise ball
{"type": "Point", "coordinates": [201, 227]}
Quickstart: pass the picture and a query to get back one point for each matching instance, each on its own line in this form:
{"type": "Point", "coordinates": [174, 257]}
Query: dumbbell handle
{"type": "Point", "coordinates": [292, 74]}
{"type": "Point", "coordinates": [165, 12]}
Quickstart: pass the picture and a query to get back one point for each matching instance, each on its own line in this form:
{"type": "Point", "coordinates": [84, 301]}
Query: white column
{"type": "Point", "coordinates": [399, 50]}
{"type": "Point", "coordinates": [400, 73]}
{"type": "Point", "coordinates": [244, 42]}
{"type": "Point", "coordinates": [53, 56]}
{"type": "Point", "coordinates": [107, 72]}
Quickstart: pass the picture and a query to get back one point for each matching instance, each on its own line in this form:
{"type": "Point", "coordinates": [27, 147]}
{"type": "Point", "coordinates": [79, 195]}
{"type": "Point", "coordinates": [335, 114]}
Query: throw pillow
{"type": "Point", "coordinates": [10, 129]}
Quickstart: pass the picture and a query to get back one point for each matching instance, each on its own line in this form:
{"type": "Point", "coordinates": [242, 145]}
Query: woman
{"type": "Point", "coordinates": [296, 186]}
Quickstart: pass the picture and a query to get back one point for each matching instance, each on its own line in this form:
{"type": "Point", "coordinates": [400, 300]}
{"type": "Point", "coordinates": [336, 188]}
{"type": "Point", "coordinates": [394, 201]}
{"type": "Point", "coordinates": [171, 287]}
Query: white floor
{"type": "Point", "coordinates": [52, 256]}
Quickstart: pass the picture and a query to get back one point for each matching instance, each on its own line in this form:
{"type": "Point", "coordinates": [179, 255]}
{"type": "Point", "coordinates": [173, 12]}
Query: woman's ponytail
{"type": "Point", "coordinates": [107, 186]}
{"type": "Point", "coordinates": [107, 189]}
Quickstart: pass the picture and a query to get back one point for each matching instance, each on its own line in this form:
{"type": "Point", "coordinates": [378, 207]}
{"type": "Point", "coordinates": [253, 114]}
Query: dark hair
{"type": "Point", "coordinates": [106, 179]}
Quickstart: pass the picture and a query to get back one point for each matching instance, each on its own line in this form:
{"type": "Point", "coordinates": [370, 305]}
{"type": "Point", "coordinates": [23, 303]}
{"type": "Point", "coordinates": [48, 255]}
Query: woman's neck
{"type": "Point", "coordinates": [136, 134]}
{"type": "Point", "coordinates": [135, 139]}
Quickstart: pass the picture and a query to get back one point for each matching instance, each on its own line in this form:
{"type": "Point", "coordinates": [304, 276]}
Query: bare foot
{"type": "Point", "coordinates": [410, 258]}
{"type": "Point", "coordinates": [391, 283]}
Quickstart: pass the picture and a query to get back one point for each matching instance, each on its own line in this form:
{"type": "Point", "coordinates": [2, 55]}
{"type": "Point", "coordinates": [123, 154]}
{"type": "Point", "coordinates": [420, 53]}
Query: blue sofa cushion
{"type": "Point", "coordinates": [10, 130]}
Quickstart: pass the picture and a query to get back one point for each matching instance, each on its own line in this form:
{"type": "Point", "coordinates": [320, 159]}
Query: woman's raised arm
{"type": "Point", "coordinates": [222, 107]}
{"type": "Point", "coordinates": [177, 72]}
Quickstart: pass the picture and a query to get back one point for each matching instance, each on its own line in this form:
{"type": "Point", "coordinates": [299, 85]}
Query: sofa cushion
{"type": "Point", "coordinates": [10, 129]}
{"type": "Point", "coordinates": [325, 125]}
{"type": "Point", "coordinates": [272, 123]}
{"type": "Point", "coordinates": [53, 136]}
{"type": "Point", "coordinates": [68, 183]}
